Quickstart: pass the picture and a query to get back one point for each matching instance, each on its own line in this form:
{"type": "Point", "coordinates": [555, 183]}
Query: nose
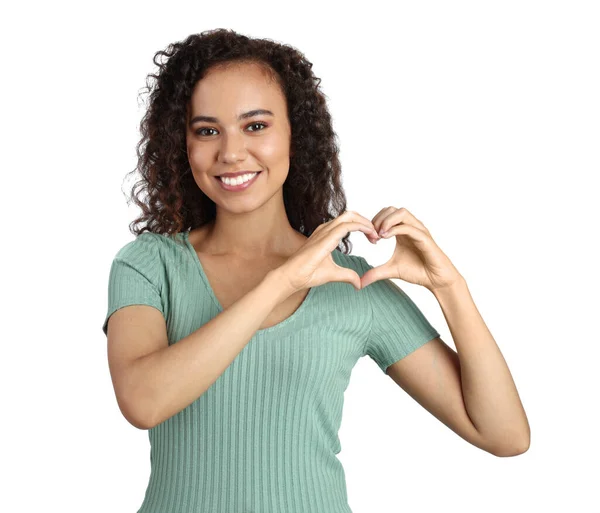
{"type": "Point", "coordinates": [233, 148]}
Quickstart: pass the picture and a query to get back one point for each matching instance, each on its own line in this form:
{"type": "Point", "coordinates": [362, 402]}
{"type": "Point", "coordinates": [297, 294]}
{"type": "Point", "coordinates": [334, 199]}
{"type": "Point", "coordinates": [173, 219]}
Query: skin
{"type": "Point", "coordinates": [250, 225]}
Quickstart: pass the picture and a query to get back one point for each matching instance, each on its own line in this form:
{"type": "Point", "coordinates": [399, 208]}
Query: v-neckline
{"type": "Point", "coordinates": [211, 292]}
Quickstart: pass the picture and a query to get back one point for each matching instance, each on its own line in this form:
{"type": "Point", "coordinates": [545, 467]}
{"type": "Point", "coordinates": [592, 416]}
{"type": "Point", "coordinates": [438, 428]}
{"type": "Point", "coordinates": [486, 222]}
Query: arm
{"type": "Point", "coordinates": [170, 379]}
{"type": "Point", "coordinates": [471, 391]}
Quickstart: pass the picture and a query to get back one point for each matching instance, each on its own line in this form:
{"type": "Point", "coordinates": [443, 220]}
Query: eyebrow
{"type": "Point", "coordinates": [249, 114]}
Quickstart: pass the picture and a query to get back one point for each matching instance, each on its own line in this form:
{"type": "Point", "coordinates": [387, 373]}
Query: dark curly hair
{"type": "Point", "coordinates": [312, 193]}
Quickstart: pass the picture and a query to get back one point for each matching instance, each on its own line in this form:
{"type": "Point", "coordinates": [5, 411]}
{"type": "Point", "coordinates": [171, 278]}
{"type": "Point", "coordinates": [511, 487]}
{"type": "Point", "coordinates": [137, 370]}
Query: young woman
{"type": "Point", "coordinates": [235, 318]}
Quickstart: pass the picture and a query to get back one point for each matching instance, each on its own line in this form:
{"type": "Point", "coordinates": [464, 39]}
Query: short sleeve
{"type": "Point", "coordinates": [134, 278]}
{"type": "Point", "coordinates": [398, 327]}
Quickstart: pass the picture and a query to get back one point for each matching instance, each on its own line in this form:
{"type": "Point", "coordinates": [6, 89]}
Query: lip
{"type": "Point", "coordinates": [238, 173]}
{"type": "Point", "coordinates": [240, 187]}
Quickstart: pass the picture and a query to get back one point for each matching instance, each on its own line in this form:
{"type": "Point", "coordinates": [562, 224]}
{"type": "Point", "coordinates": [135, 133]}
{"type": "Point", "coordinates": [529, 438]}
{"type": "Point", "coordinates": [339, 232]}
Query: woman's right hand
{"type": "Point", "coordinates": [312, 265]}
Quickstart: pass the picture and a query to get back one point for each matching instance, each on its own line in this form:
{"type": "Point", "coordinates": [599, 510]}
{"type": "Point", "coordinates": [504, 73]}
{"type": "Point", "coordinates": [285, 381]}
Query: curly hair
{"type": "Point", "coordinates": [312, 193]}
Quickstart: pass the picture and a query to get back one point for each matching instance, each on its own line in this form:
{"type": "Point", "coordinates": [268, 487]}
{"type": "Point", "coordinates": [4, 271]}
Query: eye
{"type": "Point", "coordinates": [258, 123]}
{"type": "Point", "coordinates": [200, 131]}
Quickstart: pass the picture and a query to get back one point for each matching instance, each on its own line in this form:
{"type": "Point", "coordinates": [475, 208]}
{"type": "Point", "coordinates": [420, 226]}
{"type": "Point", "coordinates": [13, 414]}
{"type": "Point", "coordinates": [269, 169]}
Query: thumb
{"type": "Point", "coordinates": [351, 277]}
{"type": "Point", "coordinates": [381, 272]}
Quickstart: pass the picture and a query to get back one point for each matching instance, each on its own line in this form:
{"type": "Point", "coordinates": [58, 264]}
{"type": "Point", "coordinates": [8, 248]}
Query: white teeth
{"type": "Point", "coordinates": [238, 179]}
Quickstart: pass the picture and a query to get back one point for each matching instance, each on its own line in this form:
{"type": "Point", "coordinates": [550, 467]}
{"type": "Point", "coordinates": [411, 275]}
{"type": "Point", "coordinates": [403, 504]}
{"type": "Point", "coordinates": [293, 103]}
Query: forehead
{"type": "Point", "coordinates": [226, 91]}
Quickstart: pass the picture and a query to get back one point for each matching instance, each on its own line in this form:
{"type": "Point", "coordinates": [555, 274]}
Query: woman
{"type": "Point", "coordinates": [233, 330]}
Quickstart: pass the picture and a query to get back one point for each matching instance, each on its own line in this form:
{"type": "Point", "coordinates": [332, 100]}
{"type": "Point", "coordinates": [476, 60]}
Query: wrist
{"type": "Point", "coordinates": [280, 284]}
{"type": "Point", "coordinates": [456, 286]}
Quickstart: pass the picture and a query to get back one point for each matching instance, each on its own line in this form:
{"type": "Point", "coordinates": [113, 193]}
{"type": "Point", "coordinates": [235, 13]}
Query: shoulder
{"type": "Point", "coordinates": [143, 243]}
{"type": "Point", "coordinates": [150, 248]}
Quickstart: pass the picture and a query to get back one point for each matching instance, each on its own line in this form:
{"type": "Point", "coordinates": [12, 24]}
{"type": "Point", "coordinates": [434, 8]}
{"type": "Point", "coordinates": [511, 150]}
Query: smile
{"type": "Point", "coordinates": [234, 186]}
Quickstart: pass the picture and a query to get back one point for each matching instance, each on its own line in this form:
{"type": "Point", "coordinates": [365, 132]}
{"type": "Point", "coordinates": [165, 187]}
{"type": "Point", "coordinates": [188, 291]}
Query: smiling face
{"type": "Point", "coordinates": [237, 121]}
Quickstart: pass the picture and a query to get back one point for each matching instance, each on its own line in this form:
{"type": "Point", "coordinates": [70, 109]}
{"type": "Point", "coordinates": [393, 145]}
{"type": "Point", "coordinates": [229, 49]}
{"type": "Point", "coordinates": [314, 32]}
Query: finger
{"type": "Point", "coordinates": [380, 216]}
{"type": "Point", "coordinates": [402, 215]}
{"type": "Point", "coordinates": [346, 275]}
{"type": "Point", "coordinates": [351, 215]}
{"type": "Point", "coordinates": [321, 226]}
{"type": "Point", "coordinates": [346, 227]}
{"type": "Point", "coordinates": [378, 273]}
{"type": "Point", "coordinates": [351, 277]}
{"type": "Point", "coordinates": [416, 234]}
{"type": "Point", "coordinates": [330, 237]}
{"type": "Point", "coordinates": [326, 224]}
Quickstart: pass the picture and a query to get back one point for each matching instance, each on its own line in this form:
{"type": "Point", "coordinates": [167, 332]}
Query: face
{"type": "Point", "coordinates": [238, 139]}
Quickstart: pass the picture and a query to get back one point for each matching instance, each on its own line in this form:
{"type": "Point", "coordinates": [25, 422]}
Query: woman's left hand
{"type": "Point", "coordinates": [417, 258]}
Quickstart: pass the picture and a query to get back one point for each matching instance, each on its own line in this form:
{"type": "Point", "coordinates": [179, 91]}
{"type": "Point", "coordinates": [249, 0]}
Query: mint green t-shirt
{"type": "Point", "coordinates": [264, 437]}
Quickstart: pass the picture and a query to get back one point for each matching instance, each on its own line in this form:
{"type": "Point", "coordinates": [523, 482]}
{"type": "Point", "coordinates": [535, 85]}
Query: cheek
{"type": "Point", "coordinates": [198, 163]}
{"type": "Point", "coordinates": [195, 156]}
{"type": "Point", "coordinates": [273, 149]}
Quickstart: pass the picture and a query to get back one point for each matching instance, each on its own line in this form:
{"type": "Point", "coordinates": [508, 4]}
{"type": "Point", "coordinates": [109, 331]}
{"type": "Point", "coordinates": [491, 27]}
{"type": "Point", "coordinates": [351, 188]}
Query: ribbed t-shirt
{"type": "Point", "coordinates": [264, 437]}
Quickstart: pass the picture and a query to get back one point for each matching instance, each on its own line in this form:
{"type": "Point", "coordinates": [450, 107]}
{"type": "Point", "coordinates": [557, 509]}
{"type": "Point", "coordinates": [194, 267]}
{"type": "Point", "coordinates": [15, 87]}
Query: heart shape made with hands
{"type": "Point", "coordinates": [386, 246]}
{"type": "Point", "coordinates": [416, 257]}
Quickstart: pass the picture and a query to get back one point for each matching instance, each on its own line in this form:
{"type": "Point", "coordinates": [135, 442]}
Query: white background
{"type": "Point", "coordinates": [481, 118]}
